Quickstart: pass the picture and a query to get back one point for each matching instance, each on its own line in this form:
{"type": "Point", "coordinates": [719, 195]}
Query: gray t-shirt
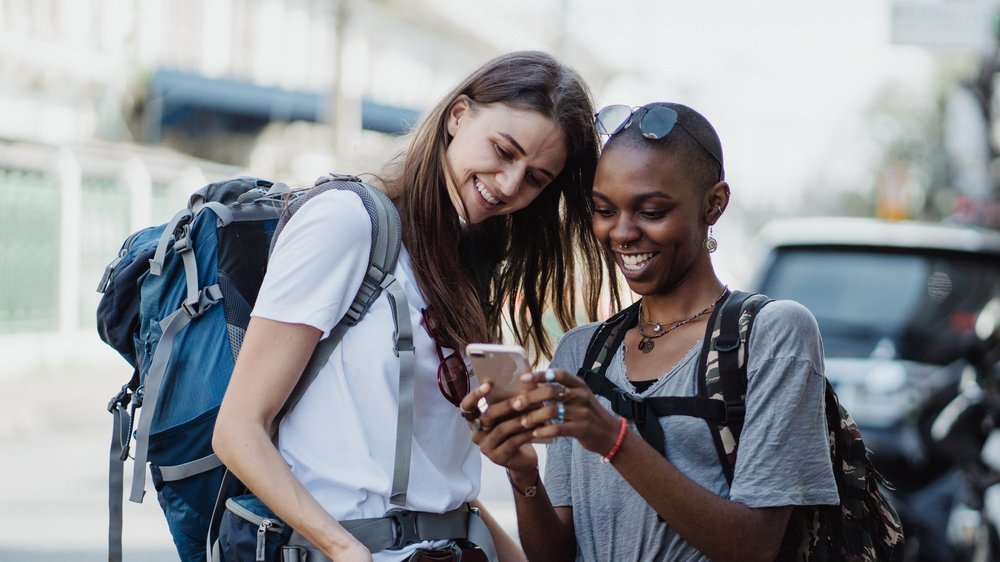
{"type": "Point", "coordinates": [783, 456]}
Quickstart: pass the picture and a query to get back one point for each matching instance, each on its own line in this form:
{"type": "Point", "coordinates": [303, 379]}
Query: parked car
{"type": "Point", "coordinates": [896, 303]}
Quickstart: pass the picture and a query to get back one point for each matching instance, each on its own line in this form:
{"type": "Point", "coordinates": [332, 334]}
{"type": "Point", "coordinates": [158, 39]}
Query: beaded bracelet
{"type": "Point", "coordinates": [623, 429]}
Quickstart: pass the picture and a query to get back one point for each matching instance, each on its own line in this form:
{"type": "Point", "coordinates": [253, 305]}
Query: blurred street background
{"type": "Point", "coordinates": [113, 111]}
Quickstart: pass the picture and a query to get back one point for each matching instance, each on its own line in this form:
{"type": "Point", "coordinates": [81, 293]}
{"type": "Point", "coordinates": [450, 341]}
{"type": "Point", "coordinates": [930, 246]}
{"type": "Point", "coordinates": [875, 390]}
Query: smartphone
{"type": "Point", "coordinates": [500, 365]}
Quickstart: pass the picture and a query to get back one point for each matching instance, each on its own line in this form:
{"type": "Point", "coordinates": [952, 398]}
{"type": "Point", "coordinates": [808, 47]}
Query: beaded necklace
{"type": "Point", "coordinates": [646, 343]}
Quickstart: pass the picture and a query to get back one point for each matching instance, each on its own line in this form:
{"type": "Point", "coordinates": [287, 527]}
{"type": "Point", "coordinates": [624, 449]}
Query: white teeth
{"type": "Point", "coordinates": [486, 194]}
{"type": "Point", "coordinates": [635, 261]}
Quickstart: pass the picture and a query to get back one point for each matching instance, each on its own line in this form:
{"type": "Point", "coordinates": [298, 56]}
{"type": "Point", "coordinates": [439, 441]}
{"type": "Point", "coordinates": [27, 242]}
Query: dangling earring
{"type": "Point", "coordinates": [711, 244]}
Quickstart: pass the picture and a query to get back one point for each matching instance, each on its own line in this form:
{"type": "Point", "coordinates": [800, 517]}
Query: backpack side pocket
{"type": "Point", "coordinates": [251, 531]}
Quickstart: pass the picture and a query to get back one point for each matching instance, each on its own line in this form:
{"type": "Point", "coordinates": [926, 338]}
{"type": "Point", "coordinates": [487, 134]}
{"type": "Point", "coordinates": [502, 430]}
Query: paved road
{"type": "Point", "coordinates": [54, 439]}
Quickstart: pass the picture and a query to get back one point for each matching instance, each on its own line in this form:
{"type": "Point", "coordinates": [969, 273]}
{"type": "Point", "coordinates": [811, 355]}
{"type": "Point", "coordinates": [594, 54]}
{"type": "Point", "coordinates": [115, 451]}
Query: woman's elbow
{"type": "Point", "coordinates": [224, 437]}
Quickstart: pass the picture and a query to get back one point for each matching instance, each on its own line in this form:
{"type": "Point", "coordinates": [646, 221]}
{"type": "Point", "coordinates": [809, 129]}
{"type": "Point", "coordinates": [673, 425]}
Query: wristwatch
{"type": "Point", "coordinates": [528, 492]}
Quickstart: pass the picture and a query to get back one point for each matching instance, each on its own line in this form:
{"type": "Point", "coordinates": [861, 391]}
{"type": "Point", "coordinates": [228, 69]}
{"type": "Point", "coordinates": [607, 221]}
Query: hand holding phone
{"type": "Point", "coordinates": [501, 366]}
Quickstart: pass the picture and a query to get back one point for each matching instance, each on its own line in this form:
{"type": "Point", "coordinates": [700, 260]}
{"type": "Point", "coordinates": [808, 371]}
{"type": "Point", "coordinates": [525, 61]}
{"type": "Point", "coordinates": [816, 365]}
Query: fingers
{"type": "Point", "coordinates": [469, 407]}
{"type": "Point", "coordinates": [545, 393]}
{"type": "Point", "coordinates": [554, 412]}
{"type": "Point", "coordinates": [554, 376]}
{"type": "Point", "coordinates": [561, 405]}
{"type": "Point", "coordinates": [503, 442]}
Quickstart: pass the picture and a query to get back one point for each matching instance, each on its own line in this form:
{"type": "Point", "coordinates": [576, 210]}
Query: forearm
{"type": "Point", "coordinates": [507, 549]}
{"type": "Point", "coordinates": [719, 528]}
{"type": "Point", "coordinates": [247, 451]}
{"type": "Point", "coordinates": [544, 534]}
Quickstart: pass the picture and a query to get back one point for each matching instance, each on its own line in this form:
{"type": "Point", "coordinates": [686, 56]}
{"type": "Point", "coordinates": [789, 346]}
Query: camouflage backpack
{"type": "Point", "coordinates": [864, 527]}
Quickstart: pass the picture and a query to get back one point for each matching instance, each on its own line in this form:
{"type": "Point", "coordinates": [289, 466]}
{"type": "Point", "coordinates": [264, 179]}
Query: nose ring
{"type": "Point", "coordinates": [623, 245]}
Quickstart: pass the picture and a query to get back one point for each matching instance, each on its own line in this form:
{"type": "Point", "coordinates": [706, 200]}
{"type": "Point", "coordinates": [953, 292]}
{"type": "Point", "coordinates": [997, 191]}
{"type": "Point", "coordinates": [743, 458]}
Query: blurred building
{"type": "Point", "coordinates": [113, 111]}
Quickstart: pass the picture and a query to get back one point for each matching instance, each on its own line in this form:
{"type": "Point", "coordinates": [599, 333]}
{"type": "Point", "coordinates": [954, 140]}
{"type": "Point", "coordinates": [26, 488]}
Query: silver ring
{"type": "Point", "coordinates": [550, 375]}
{"type": "Point", "coordinates": [560, 412]}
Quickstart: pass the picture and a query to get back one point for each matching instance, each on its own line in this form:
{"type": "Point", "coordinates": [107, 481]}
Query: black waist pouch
{"type": "Point", "coordinates": [251, 531]}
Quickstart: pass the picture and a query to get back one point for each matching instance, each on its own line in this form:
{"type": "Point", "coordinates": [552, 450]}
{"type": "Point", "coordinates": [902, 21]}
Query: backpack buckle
{"type": "Point", "coordinates": [630, 408]}
{"type": "Point", "coordinates": [734, 412]}
{"type": "Point", "coordinates": [121, 399]}
{"type": "Point", "coordinates": [192, 309]}
{"type": "Point", "coordinates": [404, 528]}
{"type": "Point", "coordinates": [726, 345]}
{"type": "Point", "coordinates": [207, 298]}
{"type": "Point", "coordinates": [183, 242]}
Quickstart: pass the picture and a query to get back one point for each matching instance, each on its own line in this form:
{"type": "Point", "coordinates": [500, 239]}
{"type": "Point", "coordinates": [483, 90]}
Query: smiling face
{"type": "Point", "coordinates": [653, 217]}
{"type": "Point", "coordinates": [500, 158]}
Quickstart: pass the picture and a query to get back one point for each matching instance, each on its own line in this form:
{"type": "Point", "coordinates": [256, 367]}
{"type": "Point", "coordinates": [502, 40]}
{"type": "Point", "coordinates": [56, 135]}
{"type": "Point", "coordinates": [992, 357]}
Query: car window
{"type": "Point", "coordinates": [910, 305]}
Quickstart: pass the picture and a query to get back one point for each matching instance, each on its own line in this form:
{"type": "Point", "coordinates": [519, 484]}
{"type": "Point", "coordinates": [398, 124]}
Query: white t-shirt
{"type": "Point", "coordinates": [340, 439]}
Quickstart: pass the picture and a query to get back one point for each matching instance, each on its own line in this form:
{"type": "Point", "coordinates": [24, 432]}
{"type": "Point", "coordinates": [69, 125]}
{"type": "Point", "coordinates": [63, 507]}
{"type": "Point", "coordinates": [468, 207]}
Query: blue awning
{"type": "Point", "coordinates": [182, 98]}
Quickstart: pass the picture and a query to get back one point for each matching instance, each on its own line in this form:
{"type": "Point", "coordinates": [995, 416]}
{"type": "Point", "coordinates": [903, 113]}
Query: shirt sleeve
{"type": "Point", "coordinates": [784, 456]}
{"type": "Point", "coordinates": [318, 262]}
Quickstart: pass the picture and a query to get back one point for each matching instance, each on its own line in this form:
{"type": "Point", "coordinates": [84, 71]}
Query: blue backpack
{"type": "Point", "coordinates": [176, 303]}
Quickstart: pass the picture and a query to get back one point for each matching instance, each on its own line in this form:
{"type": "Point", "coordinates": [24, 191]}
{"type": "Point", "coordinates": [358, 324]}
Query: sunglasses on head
{"type": "Point", "coordinates": [655, 122]}
{"type": "Point", "coordinates": [452, 375]}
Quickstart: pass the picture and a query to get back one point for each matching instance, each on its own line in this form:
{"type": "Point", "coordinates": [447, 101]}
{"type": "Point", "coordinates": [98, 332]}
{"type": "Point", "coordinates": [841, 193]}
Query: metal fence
{"type": "Point", "coordinates": [29, 251]}
{"type": "Point", "coordinates": [63, 217]}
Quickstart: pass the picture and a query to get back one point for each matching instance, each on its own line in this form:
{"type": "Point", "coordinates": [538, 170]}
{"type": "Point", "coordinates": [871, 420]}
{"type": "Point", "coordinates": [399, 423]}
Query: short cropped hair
{"type": "Point", "coordinates": [693, 139]}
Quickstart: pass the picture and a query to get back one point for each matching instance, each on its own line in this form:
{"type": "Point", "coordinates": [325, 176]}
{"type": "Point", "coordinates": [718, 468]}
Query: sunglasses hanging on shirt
{"type": "Point", "coordinates": [452, 375]}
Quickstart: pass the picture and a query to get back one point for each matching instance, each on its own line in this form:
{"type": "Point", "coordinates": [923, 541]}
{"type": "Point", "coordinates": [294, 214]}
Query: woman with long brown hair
{"type": "Point", "coordinates": [493, 192]}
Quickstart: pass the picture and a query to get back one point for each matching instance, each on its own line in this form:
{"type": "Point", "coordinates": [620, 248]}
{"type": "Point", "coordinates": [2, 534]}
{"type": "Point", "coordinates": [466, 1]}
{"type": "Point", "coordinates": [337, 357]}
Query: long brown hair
{"type": "Point", "coordinates": [525, 262]}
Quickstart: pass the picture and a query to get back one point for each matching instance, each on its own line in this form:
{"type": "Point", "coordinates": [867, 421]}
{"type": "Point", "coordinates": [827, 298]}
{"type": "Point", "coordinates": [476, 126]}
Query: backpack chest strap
{"type": "Point", "coordinates": [646, 413]}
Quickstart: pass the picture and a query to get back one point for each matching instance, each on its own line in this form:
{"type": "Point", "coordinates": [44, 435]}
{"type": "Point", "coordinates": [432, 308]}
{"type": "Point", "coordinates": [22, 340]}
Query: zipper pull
{"type": "Point", "coordinates": [265, 524]}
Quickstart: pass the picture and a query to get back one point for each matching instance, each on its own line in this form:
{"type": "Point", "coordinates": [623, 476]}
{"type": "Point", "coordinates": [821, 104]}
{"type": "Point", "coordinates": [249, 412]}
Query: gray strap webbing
{"type": "Point", "coordinates": [278, 188]}
{"type": "Point", "coordinates": [319, 357]}
{"type": "Point", "coordinates": [404, 349]}
{"type": "Point", "coordinates": [190, 277]}
{"type": "Point", "coordinates": [170, 327]}
{"type": "Point", "coordinates": [404, 416]}
{"type": "Point", "coordinates": [156, 263]}
{"type": "Point", "coordinates": [480, 536]}
{"type": "Point", "coordinates": [188, 469]}
{"type": "Point", "coordinates": [220, 210]}
{"type": "Point", "coordinates": [102, 285]}
{"type": "Point", "coordinates": [384, 254]}
{"type": "Point", "coordinates": [116, 480]}
{"type": "Point", "coordinates": [257, 211]}
{"type": "Point", "coordinates": [380, 533]}
{"type": "Point", "coordinates": [183, 247]}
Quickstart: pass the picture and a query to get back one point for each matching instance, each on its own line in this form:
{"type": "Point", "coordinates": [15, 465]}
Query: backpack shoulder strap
{"type": "Point", "coordinates": [386, 244]}
{"type": "Point", "coordinates": [606, 339]}
{"type": "Point", "coordinates": [723, 369]}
